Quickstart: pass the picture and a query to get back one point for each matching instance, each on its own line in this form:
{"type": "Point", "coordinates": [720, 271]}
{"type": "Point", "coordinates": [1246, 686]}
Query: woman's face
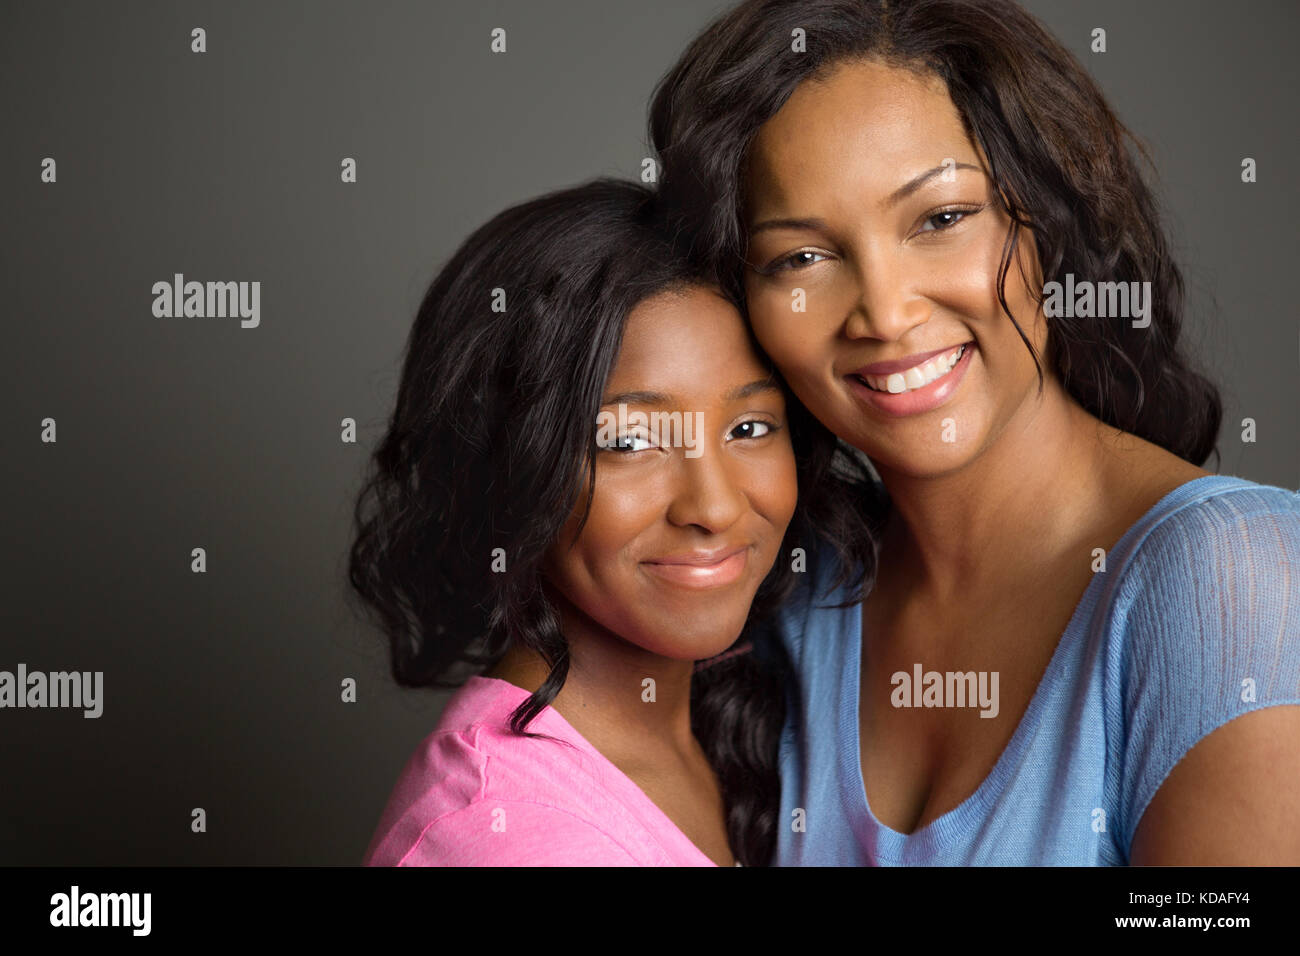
{"type": "Point", "coordinates": [685, 523]}
{"type": "Point", "coordinates": [874, 243]}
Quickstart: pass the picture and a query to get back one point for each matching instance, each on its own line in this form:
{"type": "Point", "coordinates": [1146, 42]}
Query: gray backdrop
{"type": "Point", "coordinates": [222, 690]}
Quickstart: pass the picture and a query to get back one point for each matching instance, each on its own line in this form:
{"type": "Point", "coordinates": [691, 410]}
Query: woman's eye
{"type": "Point", "coordinates": [795, 260]}
{"type": "Point", "coordinates": [946, 219]}
{"type": "Point", "coordinates": [753, 429]}
{"type": "Point", "coordinates": [942, 220]}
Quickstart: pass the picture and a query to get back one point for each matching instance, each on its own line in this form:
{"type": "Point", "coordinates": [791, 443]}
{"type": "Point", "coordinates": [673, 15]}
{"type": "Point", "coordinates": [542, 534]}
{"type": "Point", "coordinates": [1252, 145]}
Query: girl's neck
{"type": "Point", "coordinates": [631, 705]}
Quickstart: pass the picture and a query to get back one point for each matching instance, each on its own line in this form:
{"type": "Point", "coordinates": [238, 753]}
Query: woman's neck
{"type": "Point", "coordinates": [1033, 487]}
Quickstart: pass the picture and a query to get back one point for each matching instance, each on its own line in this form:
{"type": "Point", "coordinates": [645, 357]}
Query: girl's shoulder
{"type": "Point", "coordinates": [474, 793]}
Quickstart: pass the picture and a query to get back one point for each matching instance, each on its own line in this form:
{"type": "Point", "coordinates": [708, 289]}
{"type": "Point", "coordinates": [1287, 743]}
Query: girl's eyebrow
{"type": "Point", "coordinates": [752, 388]}
{"type": "Point", "coordinates": [894, 198]}
{"type": "Point", "coordinates": [638, 398]}
{"type": "Point", "coordinates": [664, 399]}
{"type": "Point", "coordinates": [815, 224]}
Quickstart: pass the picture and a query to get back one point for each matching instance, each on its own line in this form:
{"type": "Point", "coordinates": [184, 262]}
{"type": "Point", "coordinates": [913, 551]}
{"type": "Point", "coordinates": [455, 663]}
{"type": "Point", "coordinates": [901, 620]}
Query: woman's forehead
{"type": "Point", "coordinates": [859, 112]}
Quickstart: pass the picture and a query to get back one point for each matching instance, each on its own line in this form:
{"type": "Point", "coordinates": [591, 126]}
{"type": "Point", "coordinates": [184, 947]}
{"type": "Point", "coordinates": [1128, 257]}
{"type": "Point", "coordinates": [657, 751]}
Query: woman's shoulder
{"type": "Point", "coordinates": [1202, 625]}
{"type": "Point", "coordinates": [1212, 528]}
{"type": "Point", "coordinates": [476, 793]}
{"type": "Point", "coordinates": [1206, 600]}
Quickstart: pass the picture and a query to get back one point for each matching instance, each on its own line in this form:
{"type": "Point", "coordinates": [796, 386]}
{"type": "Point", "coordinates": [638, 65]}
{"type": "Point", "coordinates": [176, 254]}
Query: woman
{"type": "Point", "coordinates": [1081, 647]}
{"type": "Point", "coordinates": [523, 528]}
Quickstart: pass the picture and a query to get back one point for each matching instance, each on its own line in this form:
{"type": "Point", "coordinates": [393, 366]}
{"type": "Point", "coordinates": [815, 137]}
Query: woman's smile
{"type": "Point", "coordinates": [913, 385]}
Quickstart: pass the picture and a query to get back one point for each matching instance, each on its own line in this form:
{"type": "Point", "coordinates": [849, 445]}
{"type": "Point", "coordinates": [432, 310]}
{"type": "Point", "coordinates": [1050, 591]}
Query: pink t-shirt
{"type": "Point", "coordinates": [475, 794]}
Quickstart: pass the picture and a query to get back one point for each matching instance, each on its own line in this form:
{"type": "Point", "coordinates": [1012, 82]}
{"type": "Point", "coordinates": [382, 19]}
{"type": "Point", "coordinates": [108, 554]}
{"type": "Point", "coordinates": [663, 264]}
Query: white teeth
{"type": "Point", "coordinates": [918, 376]}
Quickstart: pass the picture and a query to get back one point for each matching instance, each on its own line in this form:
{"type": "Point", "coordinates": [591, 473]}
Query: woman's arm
{"type": "Point", "coordinates": [1234, 800]}
{"type": "Point", "coordinates": [1210, 773]}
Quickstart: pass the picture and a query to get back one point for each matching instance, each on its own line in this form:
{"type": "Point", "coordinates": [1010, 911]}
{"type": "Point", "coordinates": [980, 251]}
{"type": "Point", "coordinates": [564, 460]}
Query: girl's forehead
{"type": "Point", "coordinates": [684, 343]}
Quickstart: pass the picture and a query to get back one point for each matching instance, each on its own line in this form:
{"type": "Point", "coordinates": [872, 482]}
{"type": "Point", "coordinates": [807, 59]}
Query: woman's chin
{"type": "Point", "coordinates": [921, 460]}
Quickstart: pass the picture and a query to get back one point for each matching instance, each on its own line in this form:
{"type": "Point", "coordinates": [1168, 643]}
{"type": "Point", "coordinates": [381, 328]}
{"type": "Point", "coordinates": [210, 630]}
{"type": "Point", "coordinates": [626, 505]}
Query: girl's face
{"type": "Point", "coordinates": [687, 514]}
{"type": "Point", "coordinates": [871, 274]}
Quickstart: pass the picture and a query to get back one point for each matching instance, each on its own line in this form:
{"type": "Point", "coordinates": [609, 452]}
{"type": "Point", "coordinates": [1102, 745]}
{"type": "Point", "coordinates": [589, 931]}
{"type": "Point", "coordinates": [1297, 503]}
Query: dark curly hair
{"type": "Point", "coordinates": [1056, 153]}
{"type": "Point", "coordinates": [488, 446]}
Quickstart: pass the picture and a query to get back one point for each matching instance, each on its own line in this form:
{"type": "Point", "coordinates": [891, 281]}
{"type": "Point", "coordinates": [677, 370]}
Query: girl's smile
{"type": "Point", "coordinates": [701, 569]}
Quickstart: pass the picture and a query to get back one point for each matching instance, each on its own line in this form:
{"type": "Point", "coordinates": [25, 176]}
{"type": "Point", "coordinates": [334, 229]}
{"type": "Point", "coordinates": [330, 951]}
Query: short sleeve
{"type": "Point", "coordinates": [514, 833]}
{"type": "Point", "coordinates": [1211, 631]}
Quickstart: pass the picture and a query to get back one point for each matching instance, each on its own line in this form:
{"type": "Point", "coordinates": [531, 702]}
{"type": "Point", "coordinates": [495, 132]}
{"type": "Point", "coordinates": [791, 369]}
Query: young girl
{"type": "Point", "coordinates": [587, 486]}
{"type": "Point", "coordinates": [900, 199]}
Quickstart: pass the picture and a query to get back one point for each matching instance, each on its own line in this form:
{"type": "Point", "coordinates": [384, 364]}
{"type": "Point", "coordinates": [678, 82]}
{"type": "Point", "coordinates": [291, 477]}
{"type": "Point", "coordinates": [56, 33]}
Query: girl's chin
{"type": "Point", "coordinates": [685, 647]}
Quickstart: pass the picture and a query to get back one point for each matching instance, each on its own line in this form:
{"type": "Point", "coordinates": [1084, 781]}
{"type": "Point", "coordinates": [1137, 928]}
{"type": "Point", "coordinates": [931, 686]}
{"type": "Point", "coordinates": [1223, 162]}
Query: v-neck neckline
{"type": "Point", "coordinates": [946, 828]}
{"type": "Point", "coordinates": [626, 789]}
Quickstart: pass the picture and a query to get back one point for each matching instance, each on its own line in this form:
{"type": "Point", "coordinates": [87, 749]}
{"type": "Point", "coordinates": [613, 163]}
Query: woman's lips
{"type": "Point", "coordinates": [917, 400]}
{"type": "Point", "coordinates": [696, 571]}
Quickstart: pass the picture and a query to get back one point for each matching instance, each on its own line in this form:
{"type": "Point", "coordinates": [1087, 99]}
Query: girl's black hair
{"type": "Point", "coordinates": [1056, 152]}
{"type": "Point", "coordinates": [488, 448]}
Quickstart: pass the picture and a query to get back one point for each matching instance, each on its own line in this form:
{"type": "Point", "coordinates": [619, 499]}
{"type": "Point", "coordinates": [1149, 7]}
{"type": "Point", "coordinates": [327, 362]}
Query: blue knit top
{"type": "Point", "coordinates": [1195, 621]}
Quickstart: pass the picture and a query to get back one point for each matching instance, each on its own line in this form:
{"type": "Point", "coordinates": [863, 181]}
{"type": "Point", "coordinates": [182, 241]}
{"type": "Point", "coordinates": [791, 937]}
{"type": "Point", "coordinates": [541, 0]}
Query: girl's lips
{"type": "Point", "coordinates": [914, 401]}
{"type": "Point", "coordinates": [726, 571]}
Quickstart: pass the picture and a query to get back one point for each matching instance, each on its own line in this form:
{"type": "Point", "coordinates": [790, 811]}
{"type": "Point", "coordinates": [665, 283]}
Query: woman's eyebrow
{"type": "Point", "coordinates": [911, 186]}
{"type": "Point", "coordinates": [894, 198]}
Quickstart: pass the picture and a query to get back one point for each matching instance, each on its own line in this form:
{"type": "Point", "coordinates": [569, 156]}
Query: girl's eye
{"type": "Point", "coordinates": [753, 429]}
{"type": "Point", "coordinates": [628, 443]}
{"type": "Point", "coordinates": [794, 261]}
